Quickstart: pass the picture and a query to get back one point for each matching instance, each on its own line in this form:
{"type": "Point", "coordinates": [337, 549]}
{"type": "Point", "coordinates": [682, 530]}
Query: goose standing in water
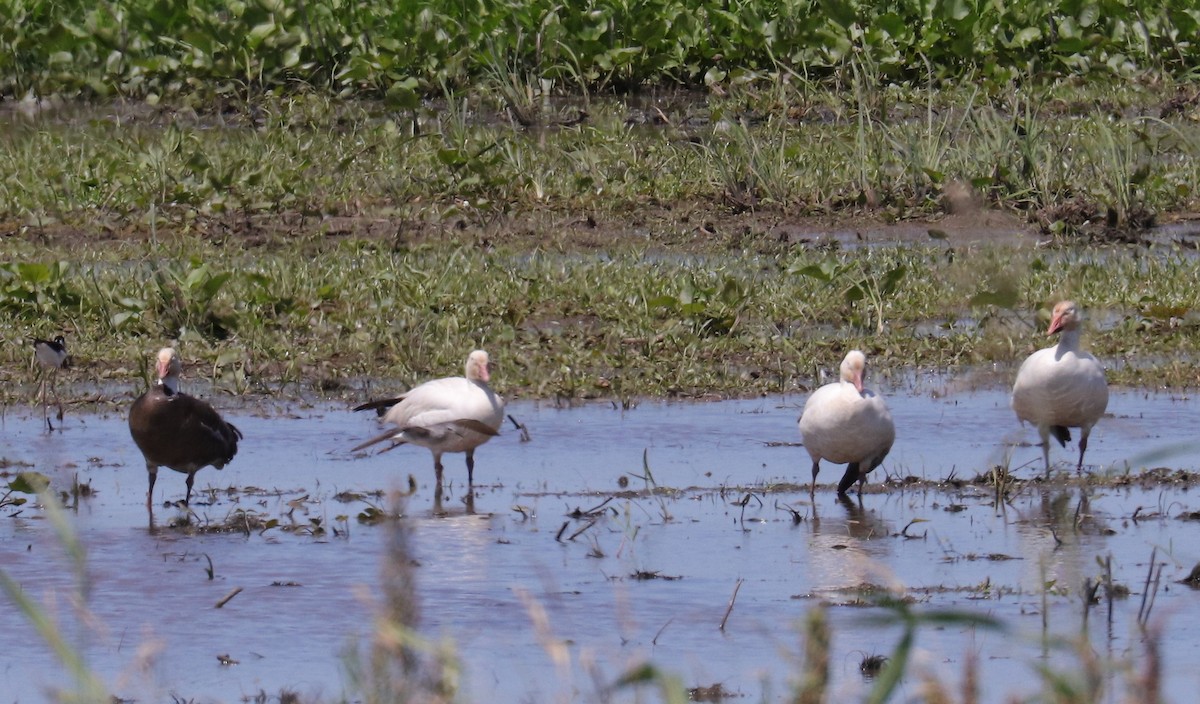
{"type": "Point", "coordinates": [178, 431]}
{"type": "Point", "coordinates": [51, 355]}
{"type": "Point", "coordinates": [1061, 387]}
{"type": "Point", "coordinates": [452, 414]}
{"type": "Point", "coordinates": [845, 423]}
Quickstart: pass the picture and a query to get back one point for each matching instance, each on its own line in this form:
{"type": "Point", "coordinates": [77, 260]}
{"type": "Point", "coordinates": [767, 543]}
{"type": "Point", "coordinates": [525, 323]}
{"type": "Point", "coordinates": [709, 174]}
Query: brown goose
{"type": "Point", "coordinates": [178, 431]}
{"type": "Point", "coordinates": [452, 414]}
{"type": "Point", "coordinates": [51, 355]}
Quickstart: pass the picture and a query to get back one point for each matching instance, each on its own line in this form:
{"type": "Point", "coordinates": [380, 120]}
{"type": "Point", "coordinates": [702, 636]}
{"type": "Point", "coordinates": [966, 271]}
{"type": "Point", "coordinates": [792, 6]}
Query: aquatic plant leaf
{"type": "Point", "coordinates": [29, 482]}
{"type": "Point", "coordinates": [821, 272]}
{"type": "Point", "coordinates": [639, 674]}
{"type": "Point", "coordinates": [1004, 296]}
{"type": "Point", "coordinates": [892, 279]}
{"type": "Point", "coordinates": [840, 12]}
{"type": "Point", "coordinates": [402, 95]}
{"type": "Point", "coordinates": [214, 284]}
{"type": "Point", "coordinates": [33, 273]}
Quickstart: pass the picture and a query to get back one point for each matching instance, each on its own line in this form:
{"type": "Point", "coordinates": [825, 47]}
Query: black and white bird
{"type": "Point", "coordinates": [178, 431]}
{"type": "Point", "coordinates": [50, 355]}
{"type": "Point", "coordinates": [451, 414]}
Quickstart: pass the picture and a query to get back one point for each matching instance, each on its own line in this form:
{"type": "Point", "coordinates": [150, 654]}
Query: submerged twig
{"type": "Point", "coordinates": [1089, 597]}
{"type": "Point", "coordinates": [1153, 588]}
{"type": "Point", "coordinates": [1143, 612]}
{"type": "Point", "coordinates": [225, 599]}
{"type": "Point", "coordinates": [577, 533]}
{"type": "Point", "coordinates": [521, 427]}
{"type": "Point", "coordinates": [797, 519]}
{"type": "Point", "coordinates": [595, 510]}
{"type": "Point", "coordinates": [745, 500]}
{"type": "Point", "coordinates": [904, 531]}
{"type": "Point", "coordinates": [654, 641]}
{"type": "Point", "coordinates": [732, 599]}
{"type": "Point", "coordinates": [1108, 587]}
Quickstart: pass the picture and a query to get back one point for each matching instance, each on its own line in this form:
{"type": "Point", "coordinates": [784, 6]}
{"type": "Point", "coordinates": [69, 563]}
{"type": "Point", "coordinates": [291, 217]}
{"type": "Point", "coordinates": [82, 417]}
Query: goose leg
{"type": "Point", "coordinates": [812, 488]}
{"type": "Point", "coordinates": [849, 478]}
{"type": "Point", "coordinates": [438, 510]}
{"type": "Point", "coordinates": [1044, 431]}
{"type": "Point", "coordinates": [471, 467]}
{"type": "Point", "coordinates": [1083, 438]}
{"type": "Point", "coordinates": [187, 498]}
{"type": "Point", "coordinates": [153, 470]}
{"type": "Point", "coordinates": [437, 467]}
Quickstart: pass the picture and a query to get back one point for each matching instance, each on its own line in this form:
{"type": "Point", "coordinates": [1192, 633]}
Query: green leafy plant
{"type": "Point", "coordinates": [34, 289]}
{"type": "Point", "coordinates": [711, 310]}
{"type": "Point", "coordinates": [859, 283]}
{"type": "Point", "coordinates": [188, 299]}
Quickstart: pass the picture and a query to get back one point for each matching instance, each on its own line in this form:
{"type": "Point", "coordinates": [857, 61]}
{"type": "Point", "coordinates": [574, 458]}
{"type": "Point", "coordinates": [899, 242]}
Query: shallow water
{"type": "Point", "coordinates": [486, 579]}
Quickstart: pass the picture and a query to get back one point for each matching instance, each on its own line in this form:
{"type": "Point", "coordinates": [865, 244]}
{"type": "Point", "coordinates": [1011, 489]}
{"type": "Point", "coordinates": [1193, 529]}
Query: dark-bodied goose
{"type": "Point", "coordinates": [845, 423]}
{"type": "Point", "coordinates": [1061, 387]}
{"type": "Point", "coordinates": [51, 355]}
{"type": "Point", "coordinates": [452, 414]}
{"type": "Point", "coordinates": [178, 431]}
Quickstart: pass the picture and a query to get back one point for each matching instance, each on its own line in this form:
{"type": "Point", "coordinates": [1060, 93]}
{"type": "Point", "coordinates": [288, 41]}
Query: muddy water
{"type": "Point", "coordinates": [535, 618]}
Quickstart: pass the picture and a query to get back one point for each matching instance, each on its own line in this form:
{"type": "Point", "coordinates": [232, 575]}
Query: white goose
{"type": "Point", "coordinates": [1061, 387]}
{"type": "Point", "coordinates": [452, 414]}
{"type": "Point", "coordinates": [845, 423]}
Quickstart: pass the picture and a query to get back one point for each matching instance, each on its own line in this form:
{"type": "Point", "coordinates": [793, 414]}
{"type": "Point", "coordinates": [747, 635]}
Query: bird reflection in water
{"type": "Point", "coordinates": [845, 549]}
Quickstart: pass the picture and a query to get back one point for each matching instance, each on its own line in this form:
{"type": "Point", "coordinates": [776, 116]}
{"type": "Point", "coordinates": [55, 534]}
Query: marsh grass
{"type": "Point", "coordinates": [567, 326]}
{"type": "Point", "coordinates": [304, 244]}
{"type": "Point", "coordinates": [304, 157]}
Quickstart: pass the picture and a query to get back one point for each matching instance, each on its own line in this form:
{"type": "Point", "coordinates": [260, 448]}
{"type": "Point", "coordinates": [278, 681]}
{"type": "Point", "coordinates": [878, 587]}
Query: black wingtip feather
{"type": "Point", "coordinates": [380, 406]}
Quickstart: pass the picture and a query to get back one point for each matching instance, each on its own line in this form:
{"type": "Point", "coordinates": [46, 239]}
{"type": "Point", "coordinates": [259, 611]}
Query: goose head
{"type": "Point", "coordinates": [854, 366]}
{"type": "Point", "coordinates": [1066, 316]}
{"type": "Point", "coordinates": [478, 367]}
{"type": "Point", "coordinates": [169, 368]}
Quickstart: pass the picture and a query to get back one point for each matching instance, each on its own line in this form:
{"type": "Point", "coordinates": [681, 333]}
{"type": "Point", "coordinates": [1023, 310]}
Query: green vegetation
{"type": "Point", "coordinates": [326, 315]}
{"type": "Point", "coordinates": [304, 196]}
{"type": "Point", "coordinates": [153, 49]}
{"type": "Point", "coordinates": [1057, 158]}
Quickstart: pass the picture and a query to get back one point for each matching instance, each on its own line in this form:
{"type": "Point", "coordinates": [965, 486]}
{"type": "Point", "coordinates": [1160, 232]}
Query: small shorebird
{"type": "Point", "coordinates": [51, 355]}
{"type": "Point", "coordinates": [451, 414]}
{"type": "Point", "coordinates": [178, 431]}
{"type": "Point", "coordinates": [846, 423]}
{"type": "Point", "coordinates": [1061, 387]}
